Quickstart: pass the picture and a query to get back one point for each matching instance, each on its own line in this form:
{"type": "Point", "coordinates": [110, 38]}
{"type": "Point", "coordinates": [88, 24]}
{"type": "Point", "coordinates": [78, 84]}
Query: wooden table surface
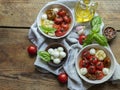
{"type": "Point", "coordinates": [17, 71]}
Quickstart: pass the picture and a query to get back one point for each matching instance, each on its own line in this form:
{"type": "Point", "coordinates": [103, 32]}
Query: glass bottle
{"type": "Point", "coordinates": [84, 10]}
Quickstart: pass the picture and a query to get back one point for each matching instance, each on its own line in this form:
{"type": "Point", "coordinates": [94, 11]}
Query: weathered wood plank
{"type": "Point", "coordinates": [19, 12]}
{"type": "Point", "coordinates": [17, 71]}
{"type": "Point", "coordinates": [24, 12]}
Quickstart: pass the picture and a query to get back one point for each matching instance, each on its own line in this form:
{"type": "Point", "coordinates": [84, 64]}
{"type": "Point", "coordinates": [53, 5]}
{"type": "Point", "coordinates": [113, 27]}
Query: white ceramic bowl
{"type": "Point", "coordinates": [55, 5]}
{"type": "Point", "coordinates": [112, 67]}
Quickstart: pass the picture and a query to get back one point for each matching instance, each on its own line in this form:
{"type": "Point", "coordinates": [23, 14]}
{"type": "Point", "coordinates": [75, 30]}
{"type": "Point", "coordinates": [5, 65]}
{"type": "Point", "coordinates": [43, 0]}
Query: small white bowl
{"type": "Point", "coordinates": [55, 5]}
{"type": "Point", "coordinates": [112, 67]}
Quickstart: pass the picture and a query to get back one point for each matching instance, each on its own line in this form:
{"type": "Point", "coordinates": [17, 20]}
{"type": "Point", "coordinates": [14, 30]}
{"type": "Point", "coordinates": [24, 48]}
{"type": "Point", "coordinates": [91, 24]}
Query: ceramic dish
{"type": "Point", "coordinates": [111, 67]}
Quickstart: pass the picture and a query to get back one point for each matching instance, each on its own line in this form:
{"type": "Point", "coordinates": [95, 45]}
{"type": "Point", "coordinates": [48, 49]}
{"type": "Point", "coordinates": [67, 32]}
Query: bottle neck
{"type": "Point", "coordinates": [86, 2]}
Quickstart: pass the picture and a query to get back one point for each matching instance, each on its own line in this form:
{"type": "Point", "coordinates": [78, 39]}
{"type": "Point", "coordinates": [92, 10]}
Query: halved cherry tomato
{"type": "Point", "coordinates": [91, 69]}
{"type": "Point", "coordinates": [57, 26]}
{"type": "Point", "coordinates": [99, 75]}
{"type": "Point", "coordinates": [93, 59]}
{"type": "Point", "coordinates": [81, 38]}
{"type": "Point", "coordinates": [61, 12]}
{"type": "Point", "coordinates": [99, 65]}
{"type": "Point", "coordinates": [60, 32]}
{"type": "Point", "coordinates": [86, 55]}
{"type": "Point", "coordinates": [67, 19]}
{"type": "Point", "coordinates": [58, 20]}
{"type": "Point", "coordinates": [83, 63]}
{"type": "Point", "coordinates": [65, 26]}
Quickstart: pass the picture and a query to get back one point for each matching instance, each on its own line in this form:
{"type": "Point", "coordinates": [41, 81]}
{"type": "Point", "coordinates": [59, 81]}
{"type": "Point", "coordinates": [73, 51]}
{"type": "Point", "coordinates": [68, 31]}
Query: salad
{"type": "Point", "coordinates": [55, 22]}
{"type": "Point", "coordinates": [94, 64]}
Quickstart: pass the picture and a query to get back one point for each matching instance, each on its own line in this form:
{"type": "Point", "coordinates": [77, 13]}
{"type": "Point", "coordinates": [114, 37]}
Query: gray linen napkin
{"type": "Point", "coordinates": [73, 47]}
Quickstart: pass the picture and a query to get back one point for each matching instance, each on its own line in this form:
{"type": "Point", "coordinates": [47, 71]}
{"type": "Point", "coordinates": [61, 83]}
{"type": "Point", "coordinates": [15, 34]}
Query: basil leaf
{"type": "Point", "coordinates": [89, 39]}
{"type": "Point", "coordinates": [96, 28]}
{"type": "Point", "coordinates": [100, 39]}
{"type": "Point", "coordinates": [96, 20]}
{"type": "Point", "coordinates": [47, 29]}
{"type": "Point", "coordinates": [44, 55]}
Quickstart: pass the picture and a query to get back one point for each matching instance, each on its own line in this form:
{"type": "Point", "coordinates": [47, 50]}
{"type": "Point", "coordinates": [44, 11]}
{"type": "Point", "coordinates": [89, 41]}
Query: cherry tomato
{"type": "Point", "coordinates": [86, 55]}
{"type": "Point", "coordinates": [61, 12]}
{"type": "Point", "coordinates": [58, 20]}
{"type": "Point", "coordinates": [67, 19]}
{"type": "Point", "coordinates": [63, 78]}
{"type": "Point", "coordinates": [81, 38]}
{"type": "Point", "coordinates": [56, 26]}
{"type": "Point", "coordinates": [65, 26]}
{"type": "Point", "coordinates": [93, 59]}
{"type": "Point", "coordinates": [91, 69]}
{"type": "Point", "coordinates": [32, 49]}
{"type": "Point", "coordinates": [99, 65]}
{"type": "Point", "coordinates": [83, 63]}
{"type": "Point", "coordinates": [99, 75]}
{"type": "Point", "coordinates": [60, 32]}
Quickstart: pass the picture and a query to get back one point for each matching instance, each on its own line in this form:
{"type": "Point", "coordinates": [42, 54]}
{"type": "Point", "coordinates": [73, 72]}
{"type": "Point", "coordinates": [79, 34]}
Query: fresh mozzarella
{"type": "Point", "coordinates": [56, 60]}
{"type": "Point", "coordinates": [50, 51]}
{"type": "Point", "coordinates": [56, 54]}
{"type": "Point", "coordinates": [44, 16]}
{"type": "Point", "coordinates": [55, 10]}
{"type": "Point", "coordinates": [60, 49]}
{"type": "Point", "coordinates": [105, 71]}
{"type": "Point", "coordinates": [83, 71]}
{"type": "Point", "coordinates": [92, 51]}
{"type": "Point", "coordinates": [62, 54]}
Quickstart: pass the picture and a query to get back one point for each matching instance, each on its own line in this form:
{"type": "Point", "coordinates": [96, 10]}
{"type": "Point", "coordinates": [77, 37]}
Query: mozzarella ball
{"type": "Point", "coordinates": [44, 16]}
{"type": "Point", "coordinates": [52, 57]}
{"type": "Point", "coordinates": [56, 54]}
{"type": "Point", "coordinates": [62, 54]}
{"type": "Point", "coordinates": [83, 71]}
{"type": "Point", "coordinates": [56, 60]}
{"type": "Point", "coordinates": [60, 49]}
{"type": "Point", "coordinates": [55, 9]}
{"type": "Point", "coordinates": [105, 71]}
{"type": "Point", "coordinates": [50, 51]}
{"type": "Point", "coordinates": [92, 51]}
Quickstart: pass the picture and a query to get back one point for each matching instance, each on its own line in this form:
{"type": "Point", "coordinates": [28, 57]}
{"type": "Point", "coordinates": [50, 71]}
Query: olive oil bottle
{"type": "Point", "coordinates": [84, 10]}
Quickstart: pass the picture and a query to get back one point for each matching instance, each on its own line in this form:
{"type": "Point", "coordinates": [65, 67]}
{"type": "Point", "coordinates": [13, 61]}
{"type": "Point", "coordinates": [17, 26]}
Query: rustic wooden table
{"type": "Point", "coordinates": [17, 71]}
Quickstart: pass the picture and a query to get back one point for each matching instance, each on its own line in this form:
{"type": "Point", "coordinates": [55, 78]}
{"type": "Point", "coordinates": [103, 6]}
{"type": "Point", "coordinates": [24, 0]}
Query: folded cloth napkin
{"type": "Point", "coordinates": [73, 47]}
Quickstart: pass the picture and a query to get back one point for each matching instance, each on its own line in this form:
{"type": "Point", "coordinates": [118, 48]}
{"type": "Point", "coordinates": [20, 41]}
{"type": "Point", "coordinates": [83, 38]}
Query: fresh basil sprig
{"type": "Point", "coordinates": [44, 55]}
{"type": "Point", "coordinates": [47, 29]}
{"type": "Point", "coordinates": [94, 35]}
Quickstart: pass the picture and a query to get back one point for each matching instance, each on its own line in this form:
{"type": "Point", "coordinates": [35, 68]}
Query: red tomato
{"type": "Point", "coordinates": [67, 19]}
{"type": "Point", "coordinates": [83, 63]}
{"type": "Point", "coordinates": [93, 59]}
{"type": "Point", "coordinates": [32, 49]}
{"type": "Point", "coordinates": [60, 32]}
{"type": "Point", "coordinates": [99, 65]}
{"type": "Point", "coordinates": [63, 78]}
{"type": "Point", "coordinates": [56, 26]}
{"type": "Point", "coordinates": [58, 20]}
{"type": "Point", "coordinates": [61, 12]}
{"type": "Point", "coordinates": [86, 55]}
{"type": "Point", "coordinates": [81, 38]}
{"type": "Point", "coordinates": [99, 75]}
{"type": "Point", "coordinates": [91, 69]}
{"type": "Point", "coordinates": [65, 26]}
